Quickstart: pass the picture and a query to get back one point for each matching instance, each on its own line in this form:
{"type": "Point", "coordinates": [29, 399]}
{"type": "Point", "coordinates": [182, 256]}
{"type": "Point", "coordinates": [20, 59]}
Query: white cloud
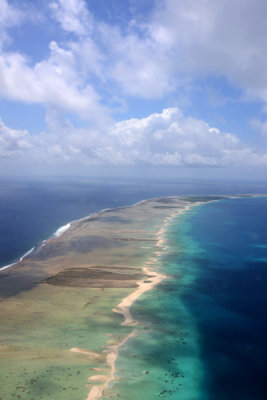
{"type": "Point", "coordinates": [259, 125]}
{"type": "Point", "coordinates": [73, 15]}
{"type": "Point", "coordinates": [185, 39]}
{"type": "Point", "coordinates": [171, 139]}
{"type": "Point", "coordinates": [223, 38]}
{"type": "Point", "coordinates": [53, 82]}
{"type": "Point", "coordinates": [59, 81]}
{"type": "Point", "coordinates": [13, 142]}
{"type": "Point", "coordinates": [131, 59]}
{"type": "Point", "coordinates": [167, 138]}
{"type": "Point", "coordinates": [136, 63]}
{"type": "Point", "coordinates": [9, 16]}
{"type": "Point", "coordinates": [152, 59]}
{"type": "Point", "coordinates": [181, 41]}
{"type": "Point", "coordinates": [178, 42]}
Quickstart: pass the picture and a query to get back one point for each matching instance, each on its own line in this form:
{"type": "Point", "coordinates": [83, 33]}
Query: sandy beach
{"type": "Point", "coordinates": [85, 277]}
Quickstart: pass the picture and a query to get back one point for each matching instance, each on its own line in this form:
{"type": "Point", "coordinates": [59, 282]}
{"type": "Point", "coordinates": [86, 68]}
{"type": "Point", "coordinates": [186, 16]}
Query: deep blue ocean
{"type": "Point", "coordinates": [228, 299]}
{"type": "Point", "coordinates": [217, 297]}
{"type": "Point", "coordinates": [32, 210]}
{"type": "Point", "coordinates": [203, 331]}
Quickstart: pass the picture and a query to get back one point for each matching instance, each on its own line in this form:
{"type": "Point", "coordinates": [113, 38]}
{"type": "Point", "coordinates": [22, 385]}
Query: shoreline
{"type": "Point", "coordinates": [63, 228]}
{"type": "Point", "coordinates": [20, 259]}
{"type": "Point", "coordinates": [117, 253]}
{"type": "Point", "coordinates": [124, 306]}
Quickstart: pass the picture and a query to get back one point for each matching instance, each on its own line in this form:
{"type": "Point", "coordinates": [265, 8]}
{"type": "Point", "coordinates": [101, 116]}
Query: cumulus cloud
{"type": "Point", "coordinates": [178, 42]}
{"type": "Point", "coordinates": [139, 66]}
{"type": "Point", "coordinates": [58, 80]}
{"type": "Point", "coordinates": [259, 125]}
{"type": "Point", "coordinates": [188, 39]}
{"type": "Point", "coordinates": [223, 38]}
{"type": "Point", "coordinates": [9, 16]}
{"type": "Point", "coordinates": [167, 138]}
{"type": "Point", "coordinates": [13, 142]}
{"type": "Point", "coordinates": [73, 15]}
{"type": "Point", "coordinates": [171, 139]}
{"type": "Point", "coordinates": [53, 82]}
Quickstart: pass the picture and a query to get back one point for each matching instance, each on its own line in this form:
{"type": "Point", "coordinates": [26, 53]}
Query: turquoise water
{"type": "Point", "coordinates": [203, 331]}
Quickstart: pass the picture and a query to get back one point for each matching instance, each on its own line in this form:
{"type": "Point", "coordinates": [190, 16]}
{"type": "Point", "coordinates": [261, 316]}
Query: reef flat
{"type": "Point", "coordinates": [65, 307]}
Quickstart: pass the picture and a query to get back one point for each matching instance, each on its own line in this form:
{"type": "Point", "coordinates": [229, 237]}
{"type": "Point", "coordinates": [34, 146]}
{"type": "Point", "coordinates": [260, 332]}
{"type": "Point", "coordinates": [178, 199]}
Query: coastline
{"type": "Point", "coordinates": [63, 228]}
{"type": "Point", "coordinates": [109, 256]}
{"type": "Point", "coordinates": [123, 308]}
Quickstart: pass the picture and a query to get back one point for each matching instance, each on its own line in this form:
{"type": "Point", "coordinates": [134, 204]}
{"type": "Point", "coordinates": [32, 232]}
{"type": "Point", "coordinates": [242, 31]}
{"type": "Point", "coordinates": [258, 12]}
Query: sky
{"type": "Point", "coordinates": [166, 86]}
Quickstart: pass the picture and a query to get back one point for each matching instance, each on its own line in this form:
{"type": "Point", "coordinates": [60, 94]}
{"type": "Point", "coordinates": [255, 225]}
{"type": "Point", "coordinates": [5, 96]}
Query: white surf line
{"type": "Point", "coordinates": [57, 234]}
{"type": "Point", "coordinates": [21, 259]}
{"type": "Point", "coordinates": [123, 308]}
{"type": "Point", "coordinates": [61, 230]}
{"type": "Point", "coordinates": [64, 228]}
{"type": "Point", "coordinates": [27, 253]}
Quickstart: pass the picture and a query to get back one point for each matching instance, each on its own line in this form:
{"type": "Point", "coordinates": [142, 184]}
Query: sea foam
{"type": "Point", "coordinates": [27, 253]}
{"type": "Point", "coordinates": [61, 230]}
{"type": "Point", "coordinates": [21, 258]}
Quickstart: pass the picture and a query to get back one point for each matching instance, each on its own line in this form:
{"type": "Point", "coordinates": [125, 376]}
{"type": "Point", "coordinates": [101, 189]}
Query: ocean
{"type": "Point", "coordinates": [32, 210]}
{"type": "Point", "coordinates": [203, 331]}
{"type": "Point", "coordinates": [228, 299]}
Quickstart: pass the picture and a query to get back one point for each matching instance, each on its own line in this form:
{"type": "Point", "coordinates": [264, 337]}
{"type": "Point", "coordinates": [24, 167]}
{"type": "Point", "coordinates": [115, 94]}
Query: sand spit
{"type": "Point", "coordinates": [105, 261]}
{"type": "Point", "coordinates": [143, 287]}
{"type": "Point", "coordinates": [97, 391]}
{"type": "Point", "coordinates": [98, 378]}
{"type": "Point", "coordinates": [91, 354]}
{"type": "Point", "coordinates": [123, 308]}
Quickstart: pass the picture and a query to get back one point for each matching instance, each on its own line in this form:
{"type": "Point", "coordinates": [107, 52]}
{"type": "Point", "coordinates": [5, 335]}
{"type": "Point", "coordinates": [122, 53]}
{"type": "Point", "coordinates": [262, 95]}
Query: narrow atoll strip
{"type": "Point", "coordinates": [151, 280]}
{"type": "Point", "coordinates": [102, 262]}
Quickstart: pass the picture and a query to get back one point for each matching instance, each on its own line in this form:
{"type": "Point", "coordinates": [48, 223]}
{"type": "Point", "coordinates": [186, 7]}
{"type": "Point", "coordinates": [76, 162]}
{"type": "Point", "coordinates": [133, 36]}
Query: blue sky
{"type": "Point", "coordinates": [133, 84]}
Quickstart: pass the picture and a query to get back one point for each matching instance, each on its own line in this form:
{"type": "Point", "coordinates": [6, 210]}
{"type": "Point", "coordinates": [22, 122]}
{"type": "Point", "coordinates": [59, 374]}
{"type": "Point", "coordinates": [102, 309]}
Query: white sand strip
{"type": "Point", "coordinates": [123, 308]}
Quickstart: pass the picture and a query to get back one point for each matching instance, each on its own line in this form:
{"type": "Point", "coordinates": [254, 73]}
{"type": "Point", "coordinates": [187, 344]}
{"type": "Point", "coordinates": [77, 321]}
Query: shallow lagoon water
{"type": "Point", "coordinates": [202, 332]}
{"type": "Point", "coordinates": [163, 361]}
{"type": "Point", "coordinates": [39, 327]}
